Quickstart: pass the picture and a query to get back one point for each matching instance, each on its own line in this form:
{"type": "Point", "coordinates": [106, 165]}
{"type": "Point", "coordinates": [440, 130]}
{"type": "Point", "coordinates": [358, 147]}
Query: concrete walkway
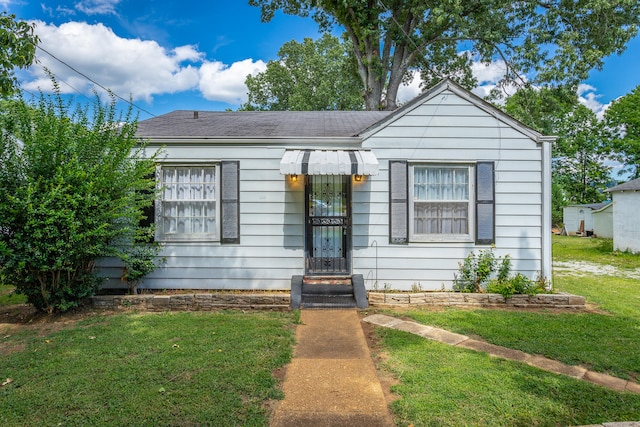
{"type": "Point", "coordinates": [541, 362]}
{"type": "Point", "coordinates": [331, 380]}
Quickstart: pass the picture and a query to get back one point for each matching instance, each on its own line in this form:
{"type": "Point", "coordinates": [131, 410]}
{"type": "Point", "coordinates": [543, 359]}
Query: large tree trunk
{"type": "Point", "coordinates": [381, 65]}
{"type": "Point", "coordinates": [373, 96]}
{"type": "Point", "coordinates": [380, 83]}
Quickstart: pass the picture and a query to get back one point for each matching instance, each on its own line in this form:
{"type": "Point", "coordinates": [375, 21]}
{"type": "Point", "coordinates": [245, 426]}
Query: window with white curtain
{"type": "Point", "coordinates": [189, 206]}
{"type": "Point", "coordinates": [442, 202]}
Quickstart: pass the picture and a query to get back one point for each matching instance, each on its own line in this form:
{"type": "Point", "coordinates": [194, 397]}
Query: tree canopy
{"type": "Point", "coordinates": [312, 75]}
{"type": "Point", "coordinates": [17, 49]}
{"type": "Point", "coordinates": [582, 150]}
{"type": "Point", "coordinates": [623, 119]}
{"type": "Point", "coordinates": [554, 42]}
{"type": "Point", "coordinates": [580, 168]}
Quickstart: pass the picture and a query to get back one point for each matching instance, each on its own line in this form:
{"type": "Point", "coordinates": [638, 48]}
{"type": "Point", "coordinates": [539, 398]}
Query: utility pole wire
{"type": "Point", "coordinates": [94, 82]}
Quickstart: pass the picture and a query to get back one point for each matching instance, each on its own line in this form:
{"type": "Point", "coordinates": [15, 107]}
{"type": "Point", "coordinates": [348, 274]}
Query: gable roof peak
{"type": "Point", "coordinates": [447, 84]}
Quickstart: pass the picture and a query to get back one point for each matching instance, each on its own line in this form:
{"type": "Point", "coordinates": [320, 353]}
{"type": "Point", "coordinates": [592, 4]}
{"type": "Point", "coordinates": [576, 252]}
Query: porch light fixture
{"type": "Point", "coordinates": [358, 178]}
{"type": "Point", "coordinates": [294, 178]}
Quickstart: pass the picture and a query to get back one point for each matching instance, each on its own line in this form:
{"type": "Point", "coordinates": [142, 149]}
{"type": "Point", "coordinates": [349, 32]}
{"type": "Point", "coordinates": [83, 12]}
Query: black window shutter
{"type": "Point", "coordinates": [230, 201]}
{"type": "Point", "coordinates": [485, 203]}
{"type": "Point", "coordinates": [398, 202]}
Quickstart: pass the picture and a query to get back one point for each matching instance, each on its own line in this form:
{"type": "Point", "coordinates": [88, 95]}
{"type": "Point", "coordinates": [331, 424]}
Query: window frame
{"type": "Point", "coordinates": [469, 236]}
{"type": "Point", "coordinates": [160, 235]}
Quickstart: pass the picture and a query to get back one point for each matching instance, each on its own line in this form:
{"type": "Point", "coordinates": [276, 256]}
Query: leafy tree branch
{"type": "Point", "coordinates": [551, 42]}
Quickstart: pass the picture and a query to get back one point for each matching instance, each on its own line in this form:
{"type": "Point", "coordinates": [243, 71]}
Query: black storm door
{"type": "Point", "coordinates": [328, 225]}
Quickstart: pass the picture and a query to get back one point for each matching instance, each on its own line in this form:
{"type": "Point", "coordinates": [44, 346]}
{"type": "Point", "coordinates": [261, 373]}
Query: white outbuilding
{"type": "Point", "coordinates": [626, 220]}
{"type": "Point", "coordinates": [579, 219]}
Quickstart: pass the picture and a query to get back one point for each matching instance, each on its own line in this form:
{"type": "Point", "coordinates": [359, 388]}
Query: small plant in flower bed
{"type": "Point", "coordinates": [518, 284]}
{"type": "Point", "coordinates": [484, 272]}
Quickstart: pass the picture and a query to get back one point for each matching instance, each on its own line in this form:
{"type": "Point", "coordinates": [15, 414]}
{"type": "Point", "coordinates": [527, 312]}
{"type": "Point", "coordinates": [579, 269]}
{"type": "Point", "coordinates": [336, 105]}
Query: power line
{"type": "Point", "coordinates": [58, 79]}
{"type": "Point", "coordinates": [94, 82]}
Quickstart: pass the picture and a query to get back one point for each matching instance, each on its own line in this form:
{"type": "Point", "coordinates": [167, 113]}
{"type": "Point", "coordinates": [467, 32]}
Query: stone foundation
{"type": "Point", "coordinates": [282, 301]}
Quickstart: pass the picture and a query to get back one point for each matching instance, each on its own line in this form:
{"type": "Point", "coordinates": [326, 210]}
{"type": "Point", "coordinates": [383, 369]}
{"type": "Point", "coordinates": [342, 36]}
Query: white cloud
{"type": "Point", "coordinates": [219, 82]}
{"type": "Point", "coordinates": [126, 66]}
{"type": "Point", "coordinates": [97, 7]}
{"type": "Point", "coordinates": [588, 96]}
{"type": "Point", "coordinates": [58, 11]}
{"type": "Point", "coordinates": [138, 68]}
{"type": "Point", "coordinates": [487, 75]}
{"type": "Point", "coordinates": [407, 92]}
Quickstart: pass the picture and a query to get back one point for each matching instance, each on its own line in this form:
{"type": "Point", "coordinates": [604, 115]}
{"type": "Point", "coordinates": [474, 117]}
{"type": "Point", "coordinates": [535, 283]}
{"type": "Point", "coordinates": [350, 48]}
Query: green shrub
{"type": "Point", "coordinates": [518, 284]}
{"type": "Point", "coordinates": [73, 186]}
{"type": "Point", "coordinates": [476, 271]}
{"type": "Point", "coordinates": [484, 272]}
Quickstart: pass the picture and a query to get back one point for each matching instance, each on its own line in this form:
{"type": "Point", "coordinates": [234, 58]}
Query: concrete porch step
{"type": "Point", "coordinates": [328, 301]}
{"type": "Point", "coordinates": [324, 289]}
{"type": "Point", "coordinates": [328, 292]}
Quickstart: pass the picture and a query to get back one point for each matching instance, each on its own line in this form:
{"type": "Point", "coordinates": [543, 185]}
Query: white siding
{"type": "Point", "coordinates": [603, 222]}
{"type": "Point", "coordinates": [449, 129]}
{"type": "Point", "coordinates": [626, 228]}
{"type": "Point", "coordinates": [271, 229]}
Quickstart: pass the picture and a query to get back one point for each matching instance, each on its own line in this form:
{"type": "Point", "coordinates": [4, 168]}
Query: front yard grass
{"type": "Point", "coordinates": [217, 368]}
{"type": "Point", "coordinates": [8, 297]}
{"type": "Point", "coordinates": [155, 369]}
{"type": "Point", "coordinates": [441, 385]}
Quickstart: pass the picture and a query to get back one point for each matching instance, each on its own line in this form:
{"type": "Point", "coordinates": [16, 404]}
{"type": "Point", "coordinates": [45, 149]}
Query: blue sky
{"type": "Point", "coordinates": [170, 55]}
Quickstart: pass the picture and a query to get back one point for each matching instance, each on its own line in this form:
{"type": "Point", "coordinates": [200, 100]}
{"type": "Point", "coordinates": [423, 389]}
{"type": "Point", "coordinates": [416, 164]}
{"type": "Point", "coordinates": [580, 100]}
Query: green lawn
{"type": "Point", "coordinates": [168, 369]}
{"type": "Point", "coordinates": [599, 251]}
{"type": "Point", "coordinates": [441, 385]}
{"type": "Point", "coordinates": [198, 369]}
{"type": "Point", "coordinates": [7, 297]}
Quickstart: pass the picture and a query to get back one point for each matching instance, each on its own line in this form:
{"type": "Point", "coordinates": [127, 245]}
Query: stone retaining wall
{"type": "Point", "coordinates": [192, 302]}
{"type": "Point", "coordinates": [281, 301]}
{"type": "Point", "coordinates": [560, 300]}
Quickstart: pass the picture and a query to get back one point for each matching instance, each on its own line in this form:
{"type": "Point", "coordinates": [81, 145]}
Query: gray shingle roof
{"type": "Point", "coordinates": [632, 185]}
{"type": "Point", "coordinates": [259, 124]}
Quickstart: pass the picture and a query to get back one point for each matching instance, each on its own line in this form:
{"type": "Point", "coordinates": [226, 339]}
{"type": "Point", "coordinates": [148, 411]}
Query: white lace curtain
{"type": "Point", "coordinates": [441, 200]}
{"type": "Point", "coordinates": [189, 200]}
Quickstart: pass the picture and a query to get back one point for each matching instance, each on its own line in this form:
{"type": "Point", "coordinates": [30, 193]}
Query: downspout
{"type": "Point", "coordinates": [546, 272]}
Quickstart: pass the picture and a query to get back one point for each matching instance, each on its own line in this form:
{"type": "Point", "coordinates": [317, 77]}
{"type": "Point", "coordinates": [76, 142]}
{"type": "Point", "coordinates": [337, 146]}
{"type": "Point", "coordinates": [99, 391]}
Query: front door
{"type": "Point", "coordinates": [328, 225]}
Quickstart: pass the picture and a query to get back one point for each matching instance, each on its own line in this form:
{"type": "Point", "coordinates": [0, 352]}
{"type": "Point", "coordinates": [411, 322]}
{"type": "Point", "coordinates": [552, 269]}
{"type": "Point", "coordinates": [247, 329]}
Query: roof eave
{"type": "Point", "coordinates": [285, 141]}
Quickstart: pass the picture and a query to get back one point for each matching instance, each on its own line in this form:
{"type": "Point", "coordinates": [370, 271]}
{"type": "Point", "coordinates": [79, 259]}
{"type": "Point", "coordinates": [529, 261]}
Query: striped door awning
{"type": "Point", "coordinates": [328, 162]}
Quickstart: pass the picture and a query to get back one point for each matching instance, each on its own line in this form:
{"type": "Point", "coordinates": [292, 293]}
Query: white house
{"type": "Point", "coordinates": [251, 200]}
{"type": "Point", "coordinates": [579, 218]}
{"type": "Point", "coordinates": [626, 205]}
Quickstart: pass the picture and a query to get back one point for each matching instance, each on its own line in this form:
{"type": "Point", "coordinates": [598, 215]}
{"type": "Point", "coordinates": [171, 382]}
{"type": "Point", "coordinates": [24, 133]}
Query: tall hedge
{"type": "Point", "coordinates": [73, 185]}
